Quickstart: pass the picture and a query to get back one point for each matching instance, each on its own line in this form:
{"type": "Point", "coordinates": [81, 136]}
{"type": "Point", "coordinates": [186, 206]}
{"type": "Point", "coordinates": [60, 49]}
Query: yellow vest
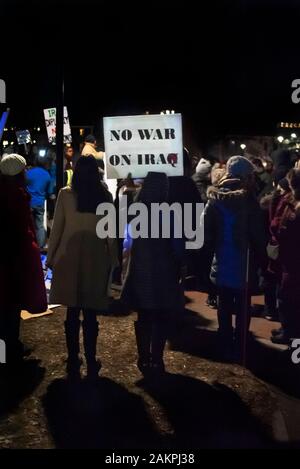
{"type": "Point", "coordinates": [69, 177]}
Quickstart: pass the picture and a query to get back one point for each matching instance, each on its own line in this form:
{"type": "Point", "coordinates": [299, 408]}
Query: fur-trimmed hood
{"type": "Point", "coordinates": [228, 190]}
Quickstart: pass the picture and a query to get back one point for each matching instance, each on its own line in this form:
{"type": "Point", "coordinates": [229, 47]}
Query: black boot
{"type": "Point", "coordinates": [72, 329]}
{"type": "Point", "coordinates": [226, 345]}
{"type": "Point", "coordinates": [143, 334]}
{"type": "Point", "coordinates": [158, 342]}
{"type": "Point", "coordinates": [90, 334]}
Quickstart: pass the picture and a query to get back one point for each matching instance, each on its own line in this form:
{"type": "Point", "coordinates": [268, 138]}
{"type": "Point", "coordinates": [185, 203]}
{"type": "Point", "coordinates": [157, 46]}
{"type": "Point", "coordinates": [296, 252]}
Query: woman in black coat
{"type": "Point", "coordinates": [152, 283]}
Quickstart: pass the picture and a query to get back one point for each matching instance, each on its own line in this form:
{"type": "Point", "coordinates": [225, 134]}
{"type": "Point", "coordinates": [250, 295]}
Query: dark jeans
{"type": "Point", "coordinates": [38, 217]}
{"type": "Point", "coordinates": [233, 301]}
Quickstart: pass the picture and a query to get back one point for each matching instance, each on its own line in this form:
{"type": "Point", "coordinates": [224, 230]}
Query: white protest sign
{"type": "Point", "coordinates": [139, 144]}
{"type": "Point", "coordinates": [50, 120]}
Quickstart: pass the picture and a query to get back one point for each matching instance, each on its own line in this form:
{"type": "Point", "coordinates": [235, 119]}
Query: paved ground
{"type": "Point", "coordinates": [200, 403]}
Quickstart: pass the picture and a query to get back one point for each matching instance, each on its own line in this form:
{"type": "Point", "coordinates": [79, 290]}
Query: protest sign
{"type": "Point", "coordinates": [139, 144]}
{"type": "Point", "coordinates": [50, 120]}
{"type": "Point", "coordinates": [23, 137]}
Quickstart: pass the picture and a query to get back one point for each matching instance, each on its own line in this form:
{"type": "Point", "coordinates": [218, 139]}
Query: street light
{"type": "Point", "coordinates": [293, 135]}
{"type": "Point", "coordinates": [280, 139]}
{"type": "Point", "coordinates": [243, 146]}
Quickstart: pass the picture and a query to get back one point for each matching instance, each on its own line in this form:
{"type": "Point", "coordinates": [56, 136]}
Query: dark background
{"type": "Point", "coordinates": [227, 66]}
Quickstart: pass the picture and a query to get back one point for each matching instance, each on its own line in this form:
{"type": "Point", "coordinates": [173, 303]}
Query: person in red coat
{"type": "Point", "coordinates": [21, 275]}
{"type": "Point", "coordinates": [286, 231]}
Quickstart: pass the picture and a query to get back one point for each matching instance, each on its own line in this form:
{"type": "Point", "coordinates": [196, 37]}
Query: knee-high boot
{"type": "Point", "coordinates": [90, 334]}
{"type": "Point", "coordinates": [143, 334]}
{"type": "Point", "coordinates": [158, 342]}
{"type": "Point", "coordinates": [72, 330]}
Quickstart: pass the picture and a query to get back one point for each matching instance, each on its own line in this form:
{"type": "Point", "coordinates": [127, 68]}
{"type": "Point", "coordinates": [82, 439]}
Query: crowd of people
{"type": "Point", "coordinates": [251, 229]}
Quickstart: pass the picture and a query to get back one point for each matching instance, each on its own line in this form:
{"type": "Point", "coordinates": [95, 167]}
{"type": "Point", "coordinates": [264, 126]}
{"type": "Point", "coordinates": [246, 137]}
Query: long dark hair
{"type": "Point", "coordinates": [87, 185]}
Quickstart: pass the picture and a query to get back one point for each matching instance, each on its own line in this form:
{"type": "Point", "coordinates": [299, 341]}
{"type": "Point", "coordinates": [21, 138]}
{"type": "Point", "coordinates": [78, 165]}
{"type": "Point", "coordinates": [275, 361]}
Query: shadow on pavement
{"type": "Point", "coordinates": [206, 416]}
{"type": "Point", "coordinates": [267, 363]}
{"type": "Point", "coordinates": [17, 383]}
{"type": "Point", "coordinates": [100, 415]}
{"type": "Point", "coordinates": [189, 335]}
{"type": "Point", "coordinates": [275, 367]}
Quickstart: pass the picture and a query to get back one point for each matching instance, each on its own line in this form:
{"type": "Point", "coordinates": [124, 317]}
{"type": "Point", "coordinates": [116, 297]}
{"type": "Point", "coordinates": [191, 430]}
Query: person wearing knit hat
{"type": "Point", "coordinates": [89, 148]}
{"type": "Point", "coordinates": [239, 167]}
{"type": "Point", "coordinates": [234, 227]}
{"type": "Point", "coordinates": [22, 284]}
{"type": "Point", "coordinates": [203, 166]}
{"type": "Point", "coordinates": [12, 165]}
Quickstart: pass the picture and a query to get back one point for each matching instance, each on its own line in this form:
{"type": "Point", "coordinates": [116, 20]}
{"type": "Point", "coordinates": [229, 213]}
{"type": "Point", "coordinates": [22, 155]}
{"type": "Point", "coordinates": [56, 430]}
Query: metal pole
{"type": "Point", "coordinates": [245, 312]}
{"type": "Point", "coordinates": [60, 132]}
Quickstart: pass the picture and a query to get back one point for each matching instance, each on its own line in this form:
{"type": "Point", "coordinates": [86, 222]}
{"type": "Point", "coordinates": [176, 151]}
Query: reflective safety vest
{"type": "Point", "coordinates": [69, 177]}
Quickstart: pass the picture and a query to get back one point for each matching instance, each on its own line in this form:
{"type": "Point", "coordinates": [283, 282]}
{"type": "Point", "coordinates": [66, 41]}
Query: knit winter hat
{"type": "Point", "coordinates": [12, 164]}
{"type": "Point", "coordinates": [239, 166]}
{"type": "Point", "coordinates": [90, 139]}
{"type": "Point", "coordinates": [203, 167]}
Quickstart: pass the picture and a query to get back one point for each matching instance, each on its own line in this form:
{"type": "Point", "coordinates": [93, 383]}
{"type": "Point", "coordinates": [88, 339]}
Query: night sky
{"type": "Point", "coordinates": [226, 65]}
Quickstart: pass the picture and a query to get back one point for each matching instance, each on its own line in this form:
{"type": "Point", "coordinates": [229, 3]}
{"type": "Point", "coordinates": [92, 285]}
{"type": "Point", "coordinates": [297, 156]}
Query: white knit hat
{"type": "Point", "coordinates": [203, 167]}
{"type": "Point", "coordinates": [12, 164]}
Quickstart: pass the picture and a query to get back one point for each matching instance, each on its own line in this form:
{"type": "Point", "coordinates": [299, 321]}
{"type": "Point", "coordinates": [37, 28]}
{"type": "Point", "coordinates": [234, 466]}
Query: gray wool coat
{"type": "Point", "coordinates": [81, 261]}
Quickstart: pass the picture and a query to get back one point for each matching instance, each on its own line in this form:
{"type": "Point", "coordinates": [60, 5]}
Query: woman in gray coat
{"type": "Point", "coordinates": [81, 261]}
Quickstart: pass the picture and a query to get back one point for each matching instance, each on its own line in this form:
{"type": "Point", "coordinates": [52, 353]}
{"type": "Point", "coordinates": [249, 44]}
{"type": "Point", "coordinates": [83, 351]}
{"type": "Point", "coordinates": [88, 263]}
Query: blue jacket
{"type": "Point", "coordinates": [233, 223]}
{"type": "Point", "coordinates": [38, 185]}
